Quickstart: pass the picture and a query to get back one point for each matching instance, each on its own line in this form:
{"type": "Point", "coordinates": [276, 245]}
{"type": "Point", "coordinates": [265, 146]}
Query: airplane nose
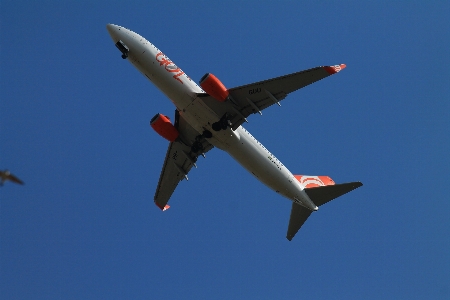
{"type": "Point", "coordinates": [113, 31]}
{"type": "Point", "coordinates": [118, 37]}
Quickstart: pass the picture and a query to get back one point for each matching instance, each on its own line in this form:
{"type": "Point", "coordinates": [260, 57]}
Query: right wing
{"type": "Point", "coordinates": [253, 98]}
{"type": "Point", "coordinates": [179, 160]}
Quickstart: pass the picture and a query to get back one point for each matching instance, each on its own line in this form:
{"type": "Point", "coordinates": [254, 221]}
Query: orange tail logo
{"type": "Point", "coordinates": [314, 181]}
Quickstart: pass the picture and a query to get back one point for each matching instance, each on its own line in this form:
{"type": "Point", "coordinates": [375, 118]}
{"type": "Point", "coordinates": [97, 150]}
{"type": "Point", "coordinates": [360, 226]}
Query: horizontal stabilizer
{"type": "Point", "coordinates": [323, 194]}
{"type": "Point", "coordinates": [299, 214]}
{"type": "Point", "coordinates": [319, 195]}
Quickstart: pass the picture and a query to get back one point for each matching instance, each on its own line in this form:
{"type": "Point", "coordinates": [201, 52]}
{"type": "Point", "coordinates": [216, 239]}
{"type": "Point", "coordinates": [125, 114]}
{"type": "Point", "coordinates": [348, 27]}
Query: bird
{"type": "Point", "coordinates": [6, 175]}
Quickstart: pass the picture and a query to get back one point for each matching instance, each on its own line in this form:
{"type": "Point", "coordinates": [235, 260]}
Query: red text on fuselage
{"type": "Point", "coordinates": [169, 66]}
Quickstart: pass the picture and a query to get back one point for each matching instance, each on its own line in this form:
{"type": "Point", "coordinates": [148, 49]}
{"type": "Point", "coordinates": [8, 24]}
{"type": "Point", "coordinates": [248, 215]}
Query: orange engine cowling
{"type": "Point", "coordinates": [162, 125]}
{"type": "Point", "coordinates": [212, 85]}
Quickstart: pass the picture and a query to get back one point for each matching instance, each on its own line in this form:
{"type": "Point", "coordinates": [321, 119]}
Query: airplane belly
{"type": "Point", "coordinates": [174, 90]}
{"type": "Point", "coordinates": [262, 164]}
{"type": "Point", "coordinates": [201, 118]}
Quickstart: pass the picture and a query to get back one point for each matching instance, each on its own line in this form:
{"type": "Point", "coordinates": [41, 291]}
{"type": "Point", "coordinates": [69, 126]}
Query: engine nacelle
{"type": "Point", "coordinates": [212, 85]}
{"type": "Point", "coordinates": [162, 125]}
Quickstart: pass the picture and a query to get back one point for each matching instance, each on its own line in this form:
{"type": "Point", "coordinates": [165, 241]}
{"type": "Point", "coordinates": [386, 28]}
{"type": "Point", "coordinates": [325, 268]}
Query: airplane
{"type": "Point", "coordinates": [210, 115]}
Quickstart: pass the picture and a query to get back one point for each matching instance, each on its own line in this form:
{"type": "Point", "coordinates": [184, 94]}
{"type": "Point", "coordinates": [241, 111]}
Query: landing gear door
{"type": "Point", "coordinates": [123, 48]}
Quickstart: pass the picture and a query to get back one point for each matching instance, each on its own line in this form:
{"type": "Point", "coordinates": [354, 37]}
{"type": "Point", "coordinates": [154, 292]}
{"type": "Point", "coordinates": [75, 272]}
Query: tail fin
{"type": "Point", "coordinates": [320, 194]}
{"type": "Point", "coordinates": [312, 181]}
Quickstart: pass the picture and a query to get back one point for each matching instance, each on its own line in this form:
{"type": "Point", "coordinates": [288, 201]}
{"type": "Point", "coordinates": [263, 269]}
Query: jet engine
{"type": "Point", "coordinates": [162, 125]}
{"type": "Point", "coordinates": [212, 85]}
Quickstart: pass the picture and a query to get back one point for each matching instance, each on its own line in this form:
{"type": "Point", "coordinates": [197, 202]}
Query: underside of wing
{"type": "Point", "coordinates": [255, 97]}
{"type": "Point", "coordinates": [180, 158]}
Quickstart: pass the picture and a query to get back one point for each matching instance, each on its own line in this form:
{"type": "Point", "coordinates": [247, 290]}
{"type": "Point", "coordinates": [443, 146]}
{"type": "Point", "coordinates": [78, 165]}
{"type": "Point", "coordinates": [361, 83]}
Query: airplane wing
{"type": "Point", "coordinates": [179, 160]}
{"type": "Point", "coordinates": [253, 98]}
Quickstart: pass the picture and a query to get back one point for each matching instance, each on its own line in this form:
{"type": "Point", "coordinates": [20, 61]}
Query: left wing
{"type": "Point", "coordinates": [253, 98]}
{"type": "Point", "coordinates": [179, 160]}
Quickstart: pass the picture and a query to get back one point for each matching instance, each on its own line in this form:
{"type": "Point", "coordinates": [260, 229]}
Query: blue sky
{"type": "Point", "coordinates": [74, 123]}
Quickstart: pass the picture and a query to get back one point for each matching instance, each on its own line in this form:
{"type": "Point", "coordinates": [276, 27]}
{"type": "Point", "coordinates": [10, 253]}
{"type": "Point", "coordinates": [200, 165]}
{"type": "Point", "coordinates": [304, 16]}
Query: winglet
{"type": "Point", "coordinates": [163, 208]}
{"type": "Point", "coordinates": [334, 69]}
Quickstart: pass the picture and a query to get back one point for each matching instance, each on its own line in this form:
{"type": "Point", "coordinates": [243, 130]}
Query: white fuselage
{"type": "Point", "coordinates": [182, 91]}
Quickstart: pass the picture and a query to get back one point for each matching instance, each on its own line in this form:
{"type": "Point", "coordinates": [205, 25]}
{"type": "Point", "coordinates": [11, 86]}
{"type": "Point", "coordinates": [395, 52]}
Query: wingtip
{"type": "Point", "coordinates": [335, 69]}
{"type": "Point", "coordinates": [163, 208]}
{"type": "Point", "coordinates": [358, 184]}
